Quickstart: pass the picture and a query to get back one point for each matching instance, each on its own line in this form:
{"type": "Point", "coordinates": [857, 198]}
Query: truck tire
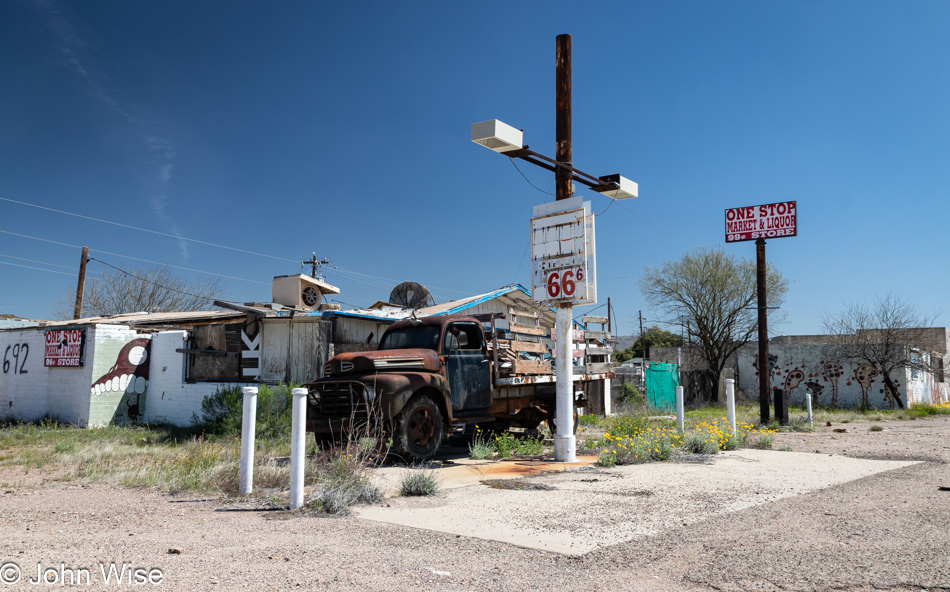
{"type": "Point", "coordinates": [417, 431]}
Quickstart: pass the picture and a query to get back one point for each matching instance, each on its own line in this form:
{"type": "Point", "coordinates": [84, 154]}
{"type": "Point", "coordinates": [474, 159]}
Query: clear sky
{"type": "Point", "coordinates": [343, 129]}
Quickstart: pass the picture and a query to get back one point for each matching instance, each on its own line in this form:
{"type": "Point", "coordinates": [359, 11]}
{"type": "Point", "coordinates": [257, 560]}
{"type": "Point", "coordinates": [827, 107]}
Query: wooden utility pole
{"type": "Point", "coordinates": [564, 439]}
{"type": "Point", "coordinates": [765, 369]}
{"type": "Point", "coordinates": [81, 287]}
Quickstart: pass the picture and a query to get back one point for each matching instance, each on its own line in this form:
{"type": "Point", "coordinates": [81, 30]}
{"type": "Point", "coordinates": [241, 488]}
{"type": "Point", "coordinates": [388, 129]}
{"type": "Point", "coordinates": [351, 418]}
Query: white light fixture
{"type": "Point", "coordinates": [497, 135]}
{"type": "Point", "coordinates": [623, 188]}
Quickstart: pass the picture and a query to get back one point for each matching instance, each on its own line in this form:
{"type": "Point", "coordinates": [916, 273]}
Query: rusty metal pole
{"type": "Point", "coordinates": [765, 372]}
{"type": "Point", "coordinates": [81, 287]}
{"type": "Point", "coordinates": [564, 442]}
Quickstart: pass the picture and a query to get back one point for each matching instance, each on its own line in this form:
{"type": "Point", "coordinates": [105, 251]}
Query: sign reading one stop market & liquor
{"type": "Point", "coordinates": [766, 221]}
{"type": "Point", "coordinates": [64, 348]}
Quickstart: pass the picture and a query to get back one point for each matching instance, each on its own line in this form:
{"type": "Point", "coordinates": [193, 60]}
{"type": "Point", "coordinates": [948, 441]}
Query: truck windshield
{"type": "Point", "coordinates": [424, 336]}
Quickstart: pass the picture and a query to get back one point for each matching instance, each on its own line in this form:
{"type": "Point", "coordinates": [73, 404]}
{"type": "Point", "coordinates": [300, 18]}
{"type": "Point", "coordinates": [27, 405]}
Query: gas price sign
{"type": "Point", "coordinates": [766, 221]}
{"type": "Point", "coordinates": [563, 266]}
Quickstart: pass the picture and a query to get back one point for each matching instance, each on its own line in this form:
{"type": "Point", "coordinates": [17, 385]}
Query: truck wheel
{"type": "Point", "coordinates": [417, 430]}
{"type": "Point", "coordinates": [553, 415]}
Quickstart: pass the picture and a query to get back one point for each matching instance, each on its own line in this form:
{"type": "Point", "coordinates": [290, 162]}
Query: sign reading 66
{"type": "Point", "coordinates": [564, 283]}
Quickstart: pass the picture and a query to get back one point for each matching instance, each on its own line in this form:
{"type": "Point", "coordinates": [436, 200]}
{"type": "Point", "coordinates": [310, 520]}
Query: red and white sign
{"type": "Point", "coordinates": [64, 348]}
{"type": "Point", "coordinates": [767, 221]}
{"type": "Point", "coordinates": [563, 265]}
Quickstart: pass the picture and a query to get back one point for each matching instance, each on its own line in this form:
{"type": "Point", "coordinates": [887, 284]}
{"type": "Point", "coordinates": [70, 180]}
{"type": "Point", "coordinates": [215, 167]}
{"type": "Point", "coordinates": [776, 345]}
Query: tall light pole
{"type": "Point", "coordinates": [507, 140]}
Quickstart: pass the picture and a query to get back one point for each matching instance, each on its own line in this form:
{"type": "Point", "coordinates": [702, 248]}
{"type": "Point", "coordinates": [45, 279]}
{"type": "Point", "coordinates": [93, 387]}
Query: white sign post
{"type": "Point", "coordinates": [563, 273]}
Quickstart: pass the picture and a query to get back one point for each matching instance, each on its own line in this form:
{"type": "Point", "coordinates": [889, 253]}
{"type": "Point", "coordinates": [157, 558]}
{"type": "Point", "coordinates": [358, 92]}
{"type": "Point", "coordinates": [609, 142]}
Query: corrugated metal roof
{"type": "Point", "coordinates": [157, 318]}
{"type": "Point", "coordinates": [516, 292]}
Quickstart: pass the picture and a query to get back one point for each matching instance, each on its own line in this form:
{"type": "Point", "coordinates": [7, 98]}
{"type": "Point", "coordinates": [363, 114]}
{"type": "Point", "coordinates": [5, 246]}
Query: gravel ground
{"type": "Point", "coordinates": [887, 531]}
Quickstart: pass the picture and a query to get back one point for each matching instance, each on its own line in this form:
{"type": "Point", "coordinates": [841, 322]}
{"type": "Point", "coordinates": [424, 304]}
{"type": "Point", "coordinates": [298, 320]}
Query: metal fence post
{"type": "Point", "coordinates": [731, 403]}
{"type": "Point", "coordinates": [298, 446]}
{"type": "Point", "coordinates": [680, 419]}
{"type": "Point", "coordinates": [248, 429]}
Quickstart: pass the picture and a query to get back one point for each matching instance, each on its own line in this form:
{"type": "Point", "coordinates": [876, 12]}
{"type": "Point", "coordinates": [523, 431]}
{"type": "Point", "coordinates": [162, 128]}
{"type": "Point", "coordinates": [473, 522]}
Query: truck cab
{"type": "Point", "coordinates": [426, 375]}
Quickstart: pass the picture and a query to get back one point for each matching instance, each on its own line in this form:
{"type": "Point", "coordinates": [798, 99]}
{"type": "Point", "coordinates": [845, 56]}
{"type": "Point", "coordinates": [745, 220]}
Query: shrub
{"type": "Point", "coordinates": [222, 412]}
{"type": "Point", "coordinates": [653, 444]}
{"type": "Point", "coordinates": [630, 395]}
{"type": "Point", "coordinates": [700, 443]}
{"type": "Point", "coordinates": [875, 428]}
{"type": "Point", "coordinates": [419, 482]}
{"type": "Point", "coordinates": [587, 420]}
{"type": "Point", "coordinates": [507, 445]}
{"type": "Point", "coordinates": [626, 425]}
{"type": "Point", "coordinates": [801, 425]}
{"type": "Point", "coordinates": [785, 448]}
{"type": "Point", "coordinates": [481, 448]}
{"type": "Point", "coordinates": [764, 441]}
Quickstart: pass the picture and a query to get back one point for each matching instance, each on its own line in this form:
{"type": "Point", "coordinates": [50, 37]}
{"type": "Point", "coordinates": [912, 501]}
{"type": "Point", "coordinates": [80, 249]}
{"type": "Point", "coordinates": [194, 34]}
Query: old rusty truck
{"type": "Point", "coordinates": [431, 375]}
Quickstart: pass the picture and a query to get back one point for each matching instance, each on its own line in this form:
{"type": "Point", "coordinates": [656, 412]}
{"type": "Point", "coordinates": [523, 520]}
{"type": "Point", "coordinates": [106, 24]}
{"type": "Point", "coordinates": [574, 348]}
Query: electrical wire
{"type": "Point", "coordinates": [45, 240]}
{"type": "Point", "coordinates": [526, 178]}
{"type": "Point", "coordinates": [40, 269]}
{"type": "Point", "coordinates": [34, 261]}
{"type": "Point", "coordinates": [175, 236]}
{"type": "Point", "coordinates": [151, 282]}
{"type": "Point", "coordinates": [230, 277]}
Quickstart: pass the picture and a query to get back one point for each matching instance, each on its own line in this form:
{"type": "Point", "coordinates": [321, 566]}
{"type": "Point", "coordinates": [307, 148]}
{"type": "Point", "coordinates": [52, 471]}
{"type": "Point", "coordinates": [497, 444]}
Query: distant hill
{"type": "Point", "coordinates": [9, 317]}
{"type": "Point", "coordinates": [625, 341]}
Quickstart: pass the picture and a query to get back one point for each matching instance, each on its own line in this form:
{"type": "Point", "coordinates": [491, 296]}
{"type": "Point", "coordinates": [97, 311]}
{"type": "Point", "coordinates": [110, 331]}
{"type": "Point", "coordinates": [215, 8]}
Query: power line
{"type": "Point", "coordinates": [175, 236]}
{"type": "Point", "coordinates": [34, 261]}
{"type": "Point", "coordinates": [230, 277]}
{"type": "Point", "coordinates": [526, 179]}
{"type": "Point", "coordinates": [151, 282]}
{"type": "Point", "coordinates": [45, 240]}
{"type": "Point", "coordinates": [39, 269]}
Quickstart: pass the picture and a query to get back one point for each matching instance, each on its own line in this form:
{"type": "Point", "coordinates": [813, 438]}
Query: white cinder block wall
{"type": "Point", "coordinates": [29, 391]}
{"type": "Point", "coordinates": [171, 400]}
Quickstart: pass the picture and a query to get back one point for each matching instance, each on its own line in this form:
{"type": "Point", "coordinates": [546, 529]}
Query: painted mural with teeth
{"type": "Point", "coordinates": [128, 377]}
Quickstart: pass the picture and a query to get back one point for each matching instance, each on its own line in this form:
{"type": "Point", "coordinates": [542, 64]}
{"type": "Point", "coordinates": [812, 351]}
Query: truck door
{"type": "Point", "coordinates": [467, 365]}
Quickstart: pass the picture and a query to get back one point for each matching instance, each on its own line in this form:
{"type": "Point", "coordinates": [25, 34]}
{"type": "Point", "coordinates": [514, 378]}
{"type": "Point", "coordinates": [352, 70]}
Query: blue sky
{"type": "Point", "coordinates": [343, 128]}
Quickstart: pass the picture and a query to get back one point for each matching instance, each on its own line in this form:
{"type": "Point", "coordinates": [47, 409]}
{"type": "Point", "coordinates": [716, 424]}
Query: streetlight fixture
{"type": "Point", "coordinates": [505, 139]}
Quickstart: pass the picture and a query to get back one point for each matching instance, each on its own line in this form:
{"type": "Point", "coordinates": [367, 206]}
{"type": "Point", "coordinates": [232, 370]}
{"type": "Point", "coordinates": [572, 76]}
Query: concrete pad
{"type": "Point", "coordinates": [466, 472]}
{"type": "Point", "coordinates": [592, 507]}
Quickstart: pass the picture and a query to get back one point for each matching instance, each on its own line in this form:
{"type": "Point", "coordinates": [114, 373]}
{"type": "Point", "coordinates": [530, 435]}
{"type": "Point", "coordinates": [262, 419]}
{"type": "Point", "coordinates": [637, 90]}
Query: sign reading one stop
{"type": "Point", "coordinates": [766, 221]}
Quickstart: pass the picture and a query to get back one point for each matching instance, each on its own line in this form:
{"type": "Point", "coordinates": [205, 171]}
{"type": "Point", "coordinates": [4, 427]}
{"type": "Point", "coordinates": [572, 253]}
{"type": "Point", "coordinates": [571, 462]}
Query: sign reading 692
{"type": "Point", "coordinates": [562, 284]}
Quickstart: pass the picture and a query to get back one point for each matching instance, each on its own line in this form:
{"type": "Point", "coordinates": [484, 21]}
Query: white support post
{"type": "Point", "coordinates": [731, 403]}
{"type": "Point", "coordinates": [811, 420]}
{"type": "Point", "coordinates": [564, 442]}
{"type": "Point", "coordinates": [680, 416]}
{"type": "Point", "coordinates": [248, 430]}
{"type": "Point", "coordinates": [298, 446]}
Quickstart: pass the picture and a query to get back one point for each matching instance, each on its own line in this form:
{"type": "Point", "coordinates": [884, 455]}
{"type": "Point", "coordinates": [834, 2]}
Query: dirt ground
{"type": "Point", "coordinates": [887, 531]}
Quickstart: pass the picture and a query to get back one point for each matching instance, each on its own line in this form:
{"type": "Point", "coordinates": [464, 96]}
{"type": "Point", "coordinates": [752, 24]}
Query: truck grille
{"type": "Point", "coordinates": [341, 400]}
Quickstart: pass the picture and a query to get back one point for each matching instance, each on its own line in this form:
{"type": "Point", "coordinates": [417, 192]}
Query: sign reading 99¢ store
{"type": "Point", "coordinates": [562, 253]}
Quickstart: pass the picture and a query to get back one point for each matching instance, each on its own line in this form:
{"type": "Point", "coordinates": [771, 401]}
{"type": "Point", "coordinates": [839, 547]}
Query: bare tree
{"type": "Point", "coordinates": [715, 294]}
{"type": "Point", "coordinates": [152, 289]}
{"type": "Point", "coordinates": [889, 335]}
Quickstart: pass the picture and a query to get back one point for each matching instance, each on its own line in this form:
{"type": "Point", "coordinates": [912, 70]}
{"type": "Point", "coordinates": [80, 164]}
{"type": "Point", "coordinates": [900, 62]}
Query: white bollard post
{"type": "Point", "coordinates": [680, 419]}
{"type": "Point", "coordinates": [298, 446]}
{"type": "Point", "coordinates": [248, 430]}
{"type": "Point", "coordinates": [811, 419]}
{"type": "Point", "coordinates": [564, 441]}
{"type": "Point", "coordinates": [731, 403]}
